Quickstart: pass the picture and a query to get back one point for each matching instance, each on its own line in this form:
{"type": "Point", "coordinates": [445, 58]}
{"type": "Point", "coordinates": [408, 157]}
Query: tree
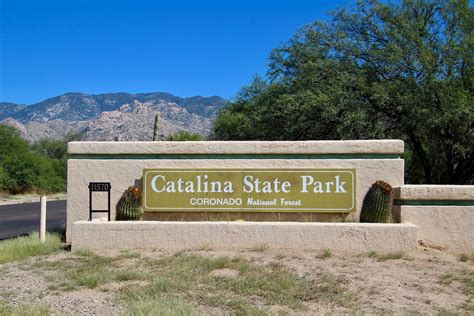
{"type": "Point", "coordinates": [50, 147]}
{"type": "Point", "coordinates": [5, 181]}
{"type": "Point", "coordinates": [11, 142]}
{"type": "Point", "coordinates": [72, 136]}
{"type": "Point", "coordinates": [39, 167]}
{"type": "Point", "coordinates": [379, 70]}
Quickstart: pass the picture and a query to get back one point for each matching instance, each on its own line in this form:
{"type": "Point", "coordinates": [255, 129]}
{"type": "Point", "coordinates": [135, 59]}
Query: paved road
{"type": "Point", "coordinates": [19, 219]}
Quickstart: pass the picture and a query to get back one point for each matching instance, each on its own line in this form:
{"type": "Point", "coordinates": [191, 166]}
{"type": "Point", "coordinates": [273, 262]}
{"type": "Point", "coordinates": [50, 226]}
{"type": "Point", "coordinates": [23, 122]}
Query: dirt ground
{"type": "Point", "coordinates": [7, 199]}
{"type": "Point", "coordinates": [426, 281]}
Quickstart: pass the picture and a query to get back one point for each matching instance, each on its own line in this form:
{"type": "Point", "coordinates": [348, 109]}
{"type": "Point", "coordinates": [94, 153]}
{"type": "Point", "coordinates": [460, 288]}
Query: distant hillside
{"type": "Point", "coordinates": [9, 109]}
{"type": "Point", "coordinates": [106, 116]}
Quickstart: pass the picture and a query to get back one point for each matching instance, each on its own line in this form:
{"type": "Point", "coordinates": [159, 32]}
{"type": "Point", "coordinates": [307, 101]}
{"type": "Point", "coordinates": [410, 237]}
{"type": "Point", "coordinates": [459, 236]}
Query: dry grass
{"type": "Point", "coordinates": [24, 310]}
{"type": "Point", "coordinates": [90, 270]}
{"type": "Point", "coordinates": [325, 254]}
{"type": "Point", "coordinates": [255, 282]}
{"type": "Point", "coordinates": [259, 248]}
{"type": "Point", "coordinates": [129, 255]}
{"type": "Point", "coordinates": [274, 285]}
{"type": "Point", "coordinates": [465, 257]}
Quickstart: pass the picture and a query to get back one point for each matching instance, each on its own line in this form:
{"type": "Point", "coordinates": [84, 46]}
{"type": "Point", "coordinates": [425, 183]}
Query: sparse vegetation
{"type": "Point", "coordinates": [166, 305]}
{"type": "Point", "coordinates": [325, 254]}
{"type": "Point", "coordinates": [259, 248]}
{"type": "Point", "coordinates": [84, 252]}
{"type": "Point", "coordinates": [205, 248]}
{"type": "Point", "coordinates": [168, 279]}
{"type": "Point", "coordinates": [173, 274]}
{"type": "Point", "coordinates": [466, 257]}
{"type": "Point", "coordinates": [24, 310]}
{"type": "Point", "coordinates": [280, 256]}
{"type": "Point", "coordinates": [388, 256]}
{"type": "Point", "coordinates": [191, 283]}
{"type": "Point", "coordinates": [466, 278]}
{"type": "Point", "coordinates": [129, 255]}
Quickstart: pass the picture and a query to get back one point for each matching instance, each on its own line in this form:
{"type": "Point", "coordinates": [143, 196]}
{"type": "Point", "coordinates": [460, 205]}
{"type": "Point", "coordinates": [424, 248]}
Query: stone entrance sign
{"type": "Point", "coordinates": [248, 190]}
{"type": "Point", "coordinates": [313, 166]}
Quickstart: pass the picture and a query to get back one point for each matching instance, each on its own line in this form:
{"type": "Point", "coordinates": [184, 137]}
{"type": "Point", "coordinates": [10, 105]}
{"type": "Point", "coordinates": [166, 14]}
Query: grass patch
{"type": "Point", "coordinates": [259, 248]}
{"type": "Point", "coordinates": [28, 246]}
{"type": "Point", "coordinates": [241, 307]}
{"type": "Point", "coordinates": [129, 255]}
{"type": "Point", "coordinates": [205, 248]}
{"type": "Point", "coordinates": [88, 270]}
{"type": "Point", "coordinates": [269, 285]}
{"type": "Point", "coordinates": [325, 254]}
{"type": "Point", "coordinates": [23, 310]}
{"type": "Point", "coordinates": [466, 257]}
{"type": "Point", "coordinates": [447, 279]}
{"type": "Point", "coordinates": [445, 312]}
{"type": "Point", "coordinates": [182, 283]}
{"type": "Point", "coordinates": [128, 275]}
{"type": "Point", "coordinates": [93, 271]}
{"type": "Point", "coordinates": [84, 253]}
{"type": "Point", "coordinates": [280, 256]}
{"type": "Point", "coordinates": [163, 306]}
{"type": "Point", "coordinates": [399, 255]}
{"type": "Point", "coordinates": [56, 265]}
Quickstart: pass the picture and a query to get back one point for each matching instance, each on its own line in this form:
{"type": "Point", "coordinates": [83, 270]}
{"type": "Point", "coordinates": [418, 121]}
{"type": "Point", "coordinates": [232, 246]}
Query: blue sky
{"type": "Point", "coordinates": [185, 48]}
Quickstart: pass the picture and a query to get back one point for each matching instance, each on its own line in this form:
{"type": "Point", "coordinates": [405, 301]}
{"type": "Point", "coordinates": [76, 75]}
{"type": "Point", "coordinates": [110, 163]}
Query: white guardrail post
{"type": "Point", "coordinates": [42, 232]}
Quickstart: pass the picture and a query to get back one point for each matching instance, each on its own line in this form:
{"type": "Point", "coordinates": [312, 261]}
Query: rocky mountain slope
{"type": "Point", "coordinates": [107, 116]}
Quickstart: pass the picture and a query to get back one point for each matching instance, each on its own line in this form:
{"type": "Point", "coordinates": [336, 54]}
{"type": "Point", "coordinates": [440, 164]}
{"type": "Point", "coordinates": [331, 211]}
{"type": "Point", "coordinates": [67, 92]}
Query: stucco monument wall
{"type": "Point", "coordinates": [444, 214]}
{"type": "Point", "coordinates": [122, 164]}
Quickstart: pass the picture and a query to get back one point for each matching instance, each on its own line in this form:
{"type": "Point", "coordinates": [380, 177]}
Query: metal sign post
{"type": "Point", "coordinates": [99, 187]}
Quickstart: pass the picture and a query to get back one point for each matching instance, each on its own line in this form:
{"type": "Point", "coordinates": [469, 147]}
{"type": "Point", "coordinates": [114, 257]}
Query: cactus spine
{"type": "Point", "coordinates": [129, 206]}
{"type": "Point", "coordinates": [377, 206]}
{"type": "Point", "coordinates": [155, 128]}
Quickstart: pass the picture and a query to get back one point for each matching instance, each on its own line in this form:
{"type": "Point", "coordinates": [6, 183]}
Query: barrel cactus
{"type": "Point", "coordinates": [377, 206]}
{"type": "Point", "coordinates": [129, 206]}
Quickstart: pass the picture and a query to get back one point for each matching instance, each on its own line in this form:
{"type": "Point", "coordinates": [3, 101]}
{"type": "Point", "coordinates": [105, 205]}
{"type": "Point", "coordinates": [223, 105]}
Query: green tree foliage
{"type": "Point", "coordinates": [184, 136]}
{"type": "Point", "coordinates": [56, 152]}
{"type": "Point", "coordinates": [377, 70]}
{"type": "Point", "coordinates": [39, 167]}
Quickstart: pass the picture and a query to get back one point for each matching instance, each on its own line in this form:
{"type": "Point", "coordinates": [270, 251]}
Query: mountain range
{"type": "Point", "coordinates": [112, 115]}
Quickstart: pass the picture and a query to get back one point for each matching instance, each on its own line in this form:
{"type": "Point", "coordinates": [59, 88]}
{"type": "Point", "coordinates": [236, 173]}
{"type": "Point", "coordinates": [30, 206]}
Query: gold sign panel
{"type": "Point", "coordinates": [250, 190]}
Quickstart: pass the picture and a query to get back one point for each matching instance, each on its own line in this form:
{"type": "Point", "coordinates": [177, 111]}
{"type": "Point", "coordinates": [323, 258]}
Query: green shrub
{"type": "Point", "coordinates": [184, 136]}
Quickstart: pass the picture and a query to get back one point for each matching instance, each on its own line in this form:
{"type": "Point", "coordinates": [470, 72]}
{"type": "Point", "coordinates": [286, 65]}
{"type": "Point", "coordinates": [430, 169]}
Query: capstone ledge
{"type": "Point", "coordinates": [435, 192]}
{"type": "Point", "coordinates": [394, 147]}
